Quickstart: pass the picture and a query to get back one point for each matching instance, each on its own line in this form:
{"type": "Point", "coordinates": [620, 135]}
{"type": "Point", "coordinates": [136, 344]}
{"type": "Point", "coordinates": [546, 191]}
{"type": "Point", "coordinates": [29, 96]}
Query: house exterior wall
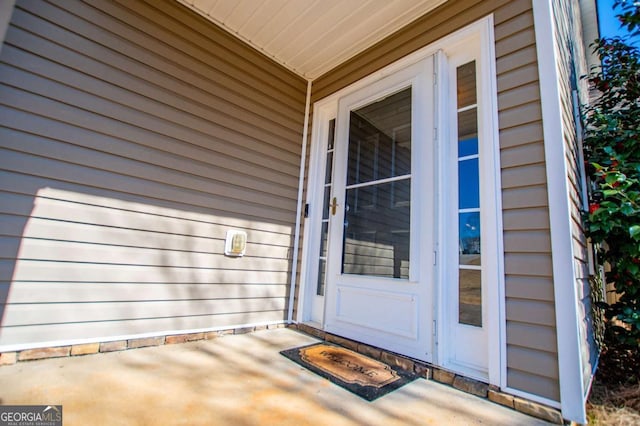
{"type": "Point", "coordinates": [573, 91]}
{"type": "Point", "coordinates": [133, 135]}
{"type": "Point", "coordinates": [531, 353]}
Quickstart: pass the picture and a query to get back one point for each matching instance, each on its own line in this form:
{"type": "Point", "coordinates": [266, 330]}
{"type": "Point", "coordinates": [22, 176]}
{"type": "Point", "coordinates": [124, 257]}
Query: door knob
{"type": "Point", "coordinates": [333, 205]}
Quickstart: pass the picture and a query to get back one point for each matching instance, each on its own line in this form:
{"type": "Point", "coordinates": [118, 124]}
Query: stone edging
{"type": "Point", "coordinates": [9, 358]}
{"type": "Point", "coordinates": [428, 371]}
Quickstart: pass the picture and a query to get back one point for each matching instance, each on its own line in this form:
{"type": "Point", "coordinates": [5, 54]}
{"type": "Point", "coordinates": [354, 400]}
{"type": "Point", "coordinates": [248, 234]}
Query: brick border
{"type": "Point", "coordinates": [431, 372]}
{"type": "Point", "coordinates": [422, 369]}
{"type": "Point", "coordinates": [10, 358]}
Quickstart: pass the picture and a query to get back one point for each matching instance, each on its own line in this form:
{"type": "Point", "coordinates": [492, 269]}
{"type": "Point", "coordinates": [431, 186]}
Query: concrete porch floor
{"type": "Point", "coordinates": [231, 380]}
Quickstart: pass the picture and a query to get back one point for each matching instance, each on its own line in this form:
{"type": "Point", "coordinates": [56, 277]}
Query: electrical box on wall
{"type": "Point", "coordinates": [236, 243]}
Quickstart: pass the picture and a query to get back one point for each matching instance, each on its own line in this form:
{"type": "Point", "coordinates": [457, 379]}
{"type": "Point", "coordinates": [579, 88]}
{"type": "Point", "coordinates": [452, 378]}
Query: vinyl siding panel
{"type": "Point", "coordinates": [117, 292]}
{"type": "Point", "coordinates": [40, 271]}
{"type": "Point", "coordinates": [160, 325]}
{"type": "Point", "coordinates": [522, 335]}
{"type": "Point", "coordinates": [133, 135]}
{"type": "Point", "coordinates": [572, 59]}
{"type": "Point", "coordinates": [528, 266]}
{"type": "Point", "coordinates": [536, 384]}
{"type": "Point", "coordinates": [530, 288]}
{"type": "Point", "coordinates": [532, 362]}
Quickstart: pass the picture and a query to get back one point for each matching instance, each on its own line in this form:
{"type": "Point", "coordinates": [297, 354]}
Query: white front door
{"type": "Point", "coordinates": [380, 258]}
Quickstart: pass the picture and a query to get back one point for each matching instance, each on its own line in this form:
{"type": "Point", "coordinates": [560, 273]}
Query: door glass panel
{"type": "Point", "coordinates": [324, 236]}
{"type": "Point", "coordinates": [468, 184]}
{"type": "Point", "coordinates": [468, 147]}
{"type": "Point", "coordinates": [329, 168]}
{"type": "Point", "coordinates": [466, 80]}
{"type": "Point", "coordinates": [332, 134]}
{"type": "Point", "coordinates": [467, 126]}
{"type": "Point", "coordinates": [469, 265]}
{"type": "Point", "coordinates": [377, 210]}
{"type": "Point", "coordinates": [380, 139]}
{"type": "Point", "coordinates": [469, 232]}
{"type": "Point", "coordinates": [326, 202]}
{"type": "Point", "coordinates": [470, 304]}
{"type": "Point", "coordinates": [324, 232]}
{"type": "Point", "coordinates": [322, 268]}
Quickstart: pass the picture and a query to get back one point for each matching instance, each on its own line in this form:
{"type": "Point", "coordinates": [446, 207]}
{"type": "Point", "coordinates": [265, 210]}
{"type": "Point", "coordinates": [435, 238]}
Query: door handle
{"type": "Point", "coordinates": [334, 206]}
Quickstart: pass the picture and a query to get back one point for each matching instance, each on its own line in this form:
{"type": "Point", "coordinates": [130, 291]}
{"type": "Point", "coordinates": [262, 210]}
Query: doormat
{"type": "Point", "coordinates": [366, 377]}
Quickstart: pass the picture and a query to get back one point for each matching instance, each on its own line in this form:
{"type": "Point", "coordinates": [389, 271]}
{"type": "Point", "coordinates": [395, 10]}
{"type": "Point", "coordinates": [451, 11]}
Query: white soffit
{"type": "Point", "coordinates": [310, 37]}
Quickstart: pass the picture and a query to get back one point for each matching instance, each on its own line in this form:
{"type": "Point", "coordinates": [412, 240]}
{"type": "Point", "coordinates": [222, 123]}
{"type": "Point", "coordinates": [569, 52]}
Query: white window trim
{"type": "Point", "coordinates": [326, 109]}
{"type": "Point", "coordinates": [482, 50]}
{"type": "Point", "coordinates": [570, 364]}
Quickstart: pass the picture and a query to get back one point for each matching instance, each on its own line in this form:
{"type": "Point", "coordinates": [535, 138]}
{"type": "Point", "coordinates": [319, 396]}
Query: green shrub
{"type": "Point", "coordinates": [612, 149]}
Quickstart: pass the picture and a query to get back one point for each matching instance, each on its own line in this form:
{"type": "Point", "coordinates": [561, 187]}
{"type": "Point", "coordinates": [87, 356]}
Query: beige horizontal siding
{"type": "Point", "coordinates": [118, 328]}
{"type": "Point", "coordinates": [74, 252]}
{"type": "Point", "coordinates": [518, 177]}
{"type": "Point", "coordinates": [519, 358]}
{"type": "Point", "coordinates": [530, 288]}
{"type": "Point", "coordinates": [64, 171]}
{"type": "Point", "coordinates": [44, 33]}
{"type": "Point", "coordinates": [530, 308]}
{"type": "Point", "coordinates": [44, 229]}
{"type": "Point", "coordinates": [525, 335]}
{"type": "Point", "coordinates": [100, 208]}
{"type": "Point", "coordinates": [61, 313]}
{"type": "Point", "coordinates": [133, 136]}
{"type": "Point", "coordinates": [536, 384]}
{"type": "Point", "coordinates": [40, 271]}
{"type": "Point", "coordinates": [88, 292]}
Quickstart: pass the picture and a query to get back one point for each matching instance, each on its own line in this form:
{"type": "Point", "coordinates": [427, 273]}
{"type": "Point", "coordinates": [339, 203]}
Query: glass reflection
{"type": "Point", "coordinates": [469, 232]}
{"type": "Point", "coordinates": [469, 273]}
{"type": "Point", "coordinates": [468, 184]}
{"type": "Point", "coordinates": [467, 147]}
{"type": "Point", "coordinates": [322, 266]}
{"type": "Point", "coordinates": [376, 237]}
{"type": "Point", "coordinates": [377, 214]}
{"type": "Point", "coordinates": [470, 297]}
{"type": "Point", "coordinates": [380, 139]}
{"type": "Point", "coordinates": [324, 236]}
{"type": "Point", "coordinates": [466, 79]}
{"type": "Point", "coordinates": [326, 202]}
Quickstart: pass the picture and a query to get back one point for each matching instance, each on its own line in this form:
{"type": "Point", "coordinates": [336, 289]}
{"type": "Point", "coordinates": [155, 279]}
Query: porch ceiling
{"type": "Point", "coordinates": [310, 37]}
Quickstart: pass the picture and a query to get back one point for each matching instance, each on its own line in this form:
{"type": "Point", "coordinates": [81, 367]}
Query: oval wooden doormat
{"type": "Point", "coordinates": [364, 376]}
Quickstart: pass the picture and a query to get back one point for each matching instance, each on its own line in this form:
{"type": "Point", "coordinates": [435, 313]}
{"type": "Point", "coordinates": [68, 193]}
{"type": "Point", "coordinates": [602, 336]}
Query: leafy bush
{"type": "Point", "coordinates": [612, 145]}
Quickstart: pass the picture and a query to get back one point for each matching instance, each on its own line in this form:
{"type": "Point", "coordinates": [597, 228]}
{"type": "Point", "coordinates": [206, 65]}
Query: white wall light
{"type": "Point", "coordinates": [236, 243]}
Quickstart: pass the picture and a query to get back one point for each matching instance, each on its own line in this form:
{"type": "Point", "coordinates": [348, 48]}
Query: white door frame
{"type": "Point", "coordinates": [477, 39]}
